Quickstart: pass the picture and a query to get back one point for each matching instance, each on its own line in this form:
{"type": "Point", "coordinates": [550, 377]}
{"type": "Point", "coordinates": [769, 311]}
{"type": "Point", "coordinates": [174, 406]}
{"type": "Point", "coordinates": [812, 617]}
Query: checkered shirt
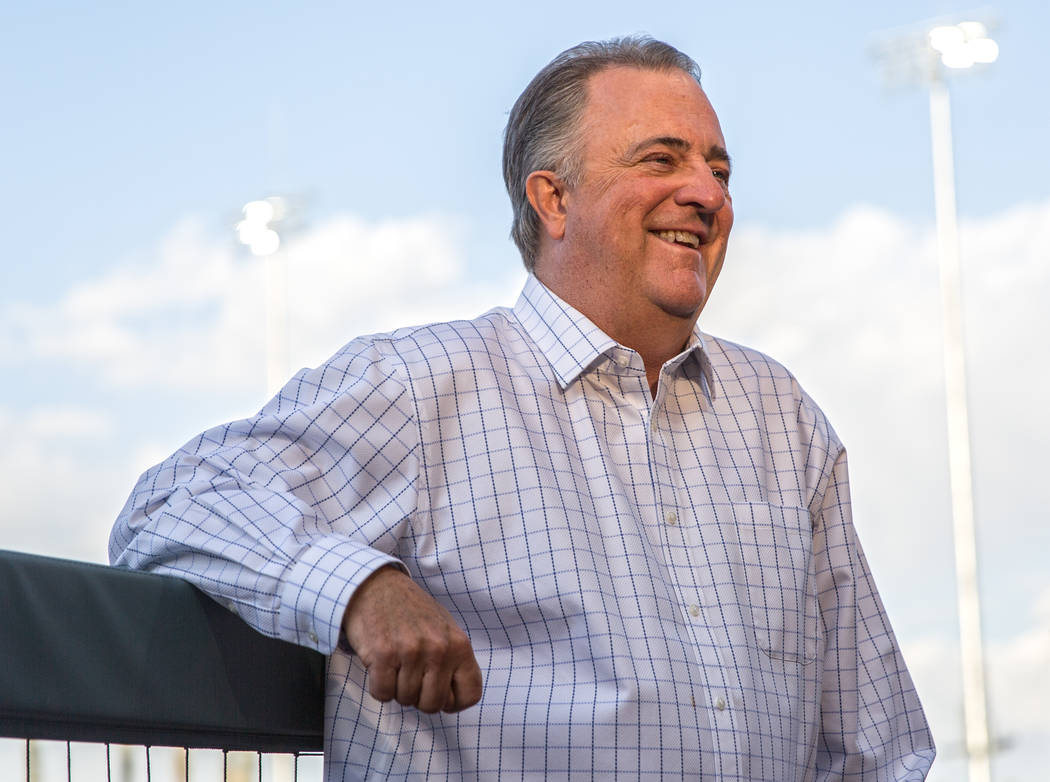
{"type": "Point", "coordinates": [657, 588]}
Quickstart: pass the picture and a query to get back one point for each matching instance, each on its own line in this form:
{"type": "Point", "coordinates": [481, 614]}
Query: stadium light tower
{"type": "Point", "coordinates": [926, 57]}
{"type": "Point", "coordinates": [258, 231]}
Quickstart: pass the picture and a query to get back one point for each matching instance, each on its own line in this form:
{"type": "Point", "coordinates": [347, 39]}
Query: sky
{"type": "Point", "coordinates": [130, 318]}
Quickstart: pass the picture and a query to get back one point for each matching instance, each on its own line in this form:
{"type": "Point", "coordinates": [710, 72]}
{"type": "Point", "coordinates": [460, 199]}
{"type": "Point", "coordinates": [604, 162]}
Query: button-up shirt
{"type": "Point", "coordinates": [656, 588]}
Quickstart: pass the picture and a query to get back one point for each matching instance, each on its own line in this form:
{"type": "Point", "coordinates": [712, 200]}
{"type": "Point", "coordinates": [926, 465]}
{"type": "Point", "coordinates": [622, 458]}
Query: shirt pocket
{"type": "Point", "coordinates": [775, 582]}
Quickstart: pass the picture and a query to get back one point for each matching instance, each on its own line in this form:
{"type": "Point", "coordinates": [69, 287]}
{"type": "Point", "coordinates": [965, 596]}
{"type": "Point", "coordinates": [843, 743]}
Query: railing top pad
{"type": "Point", "coordinates": [93, 653]}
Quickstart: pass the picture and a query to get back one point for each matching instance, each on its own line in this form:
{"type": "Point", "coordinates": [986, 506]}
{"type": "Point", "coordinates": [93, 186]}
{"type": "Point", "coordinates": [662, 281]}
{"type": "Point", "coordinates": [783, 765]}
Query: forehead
{"type": "Point", "coordinates": [626, 104]}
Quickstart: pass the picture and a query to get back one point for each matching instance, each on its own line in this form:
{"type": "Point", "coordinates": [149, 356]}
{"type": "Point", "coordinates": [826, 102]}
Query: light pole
{"type": "Point", "coordinates": [258, 231]}
{"type": "Point", "coordinates": [958, 46]}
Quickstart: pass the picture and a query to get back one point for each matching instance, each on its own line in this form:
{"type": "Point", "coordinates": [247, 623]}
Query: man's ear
{"type": "Point", "coordinates": [547, 194]}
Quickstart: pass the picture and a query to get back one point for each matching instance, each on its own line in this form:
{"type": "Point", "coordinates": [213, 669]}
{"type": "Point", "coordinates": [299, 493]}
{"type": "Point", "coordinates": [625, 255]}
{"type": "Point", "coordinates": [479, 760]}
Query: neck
{"type": "Point", "coordinates": [656, 346]}
{"type": "Point", "coordinates": [657, 336]}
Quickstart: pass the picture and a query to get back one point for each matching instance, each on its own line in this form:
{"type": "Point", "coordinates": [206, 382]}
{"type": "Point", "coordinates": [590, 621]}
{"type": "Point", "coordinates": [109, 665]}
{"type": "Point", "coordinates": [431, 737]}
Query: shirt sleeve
{"type": "Point", "coordinates": [282, 516]}
{"type": "Point", "coordinates": [871, 726]}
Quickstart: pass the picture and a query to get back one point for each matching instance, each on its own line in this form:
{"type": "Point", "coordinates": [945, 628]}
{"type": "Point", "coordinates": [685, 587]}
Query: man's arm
{"type": "Point", "coordinates": [872, 725]}
{"type": "Point", "coordinates": [283, 517]}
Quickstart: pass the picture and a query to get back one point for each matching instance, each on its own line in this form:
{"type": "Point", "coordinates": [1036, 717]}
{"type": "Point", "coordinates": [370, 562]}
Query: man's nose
{"type": "Point", "coordinates": [703, 190]}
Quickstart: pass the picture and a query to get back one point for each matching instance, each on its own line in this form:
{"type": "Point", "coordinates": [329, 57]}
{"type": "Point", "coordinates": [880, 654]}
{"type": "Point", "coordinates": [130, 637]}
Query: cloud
{"type": "Point", "coordinates": [66, 421]}
{"type": "Point", "coordinates": [1018, 679]}
{"type": "Point", "coordinates": [349, 277]}
{"type": "Point", "coordinates": [1018, 690]}
{"type": "Point", "coordinates": [193, 315]}
{"type": "Point", "coordinates": [61, 491]}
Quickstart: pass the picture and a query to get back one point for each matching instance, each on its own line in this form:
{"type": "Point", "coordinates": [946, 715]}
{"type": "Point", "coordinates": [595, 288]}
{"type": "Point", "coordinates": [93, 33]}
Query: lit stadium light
{"type": "Point", "coordinates": [963, 45]}
{"type": "Point", "coordinates": [256, 229]}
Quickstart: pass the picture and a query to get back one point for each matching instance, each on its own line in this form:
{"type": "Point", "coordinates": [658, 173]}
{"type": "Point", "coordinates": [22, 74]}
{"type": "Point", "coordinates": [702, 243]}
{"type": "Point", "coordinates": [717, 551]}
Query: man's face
{"type": "Point", "coordinates": [649, 220]}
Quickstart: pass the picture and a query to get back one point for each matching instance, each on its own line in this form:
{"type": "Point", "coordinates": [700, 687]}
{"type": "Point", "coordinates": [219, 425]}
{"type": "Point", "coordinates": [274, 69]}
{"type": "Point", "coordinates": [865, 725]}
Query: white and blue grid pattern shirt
{"type": "Point", "coordinates": [657, 588]}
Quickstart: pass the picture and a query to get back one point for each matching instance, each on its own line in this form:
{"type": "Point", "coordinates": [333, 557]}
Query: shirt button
{"type": "Point", "coordinates": [671, 518]}
{"type": "Point", "coordinates": [694, 610]}
{"type": "Point", "coordinates": [720, 703]}
{"type": "Point", "coordinates": [313, 636]}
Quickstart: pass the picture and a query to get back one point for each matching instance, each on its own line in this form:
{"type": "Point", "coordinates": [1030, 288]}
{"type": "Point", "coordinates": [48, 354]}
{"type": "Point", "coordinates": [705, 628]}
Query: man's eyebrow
{"type": "Point", "coordinates": [718, 152]}
{"type": "Point", "coordinates": [660, 141]}
{"type": "Point", "coordinates": [714, 152]}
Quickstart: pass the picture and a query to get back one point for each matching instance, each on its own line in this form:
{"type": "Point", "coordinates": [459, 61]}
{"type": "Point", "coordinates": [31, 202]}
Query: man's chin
{"type": "Point", "coordinates": [685, 304]}
{"type": "Point", "coordinates": [685, 313]}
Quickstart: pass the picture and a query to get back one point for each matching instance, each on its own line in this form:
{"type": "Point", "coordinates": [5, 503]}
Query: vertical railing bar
{"type": "Point", "coordinates": [225, 765]}
{"type": "Point", "coordinates": [27, 762]}
{"type": "Point", "coordinates": [109, 765]}
{"type": "Point", "coordinates": [187, 771]}
{"type": "Point", "coordinates": [259, 755]}
{"type": "Point", "coordinates": [69, 764]}
{"type": "Point", "coordinates": [295, 768]}
{"type": "Point", "coordinates": [149, 770]}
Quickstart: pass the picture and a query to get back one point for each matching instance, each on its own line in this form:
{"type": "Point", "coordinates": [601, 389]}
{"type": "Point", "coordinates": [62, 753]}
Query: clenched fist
{"type": "Point", "coordinates": [411, 646]}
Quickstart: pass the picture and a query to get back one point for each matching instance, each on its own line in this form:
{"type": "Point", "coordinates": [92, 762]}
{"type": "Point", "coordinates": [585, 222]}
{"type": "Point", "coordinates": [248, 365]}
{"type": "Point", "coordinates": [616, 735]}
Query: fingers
{"type": "Point", "coordinates": [433, 692]}
{"type": "Point", "coordinates": [466, 687]}
{"type": "Point", "coordinates": [382, 682]}
{"type": "Point", "coordinates": [450, 702]}
{"type": "Point", "coordinates": [448, 679]}
{"type": "Point", "coordinates": [428, 690]}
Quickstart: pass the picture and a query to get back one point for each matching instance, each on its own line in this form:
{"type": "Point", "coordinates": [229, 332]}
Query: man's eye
{"type": "Point", "coordinates": [663, 160]}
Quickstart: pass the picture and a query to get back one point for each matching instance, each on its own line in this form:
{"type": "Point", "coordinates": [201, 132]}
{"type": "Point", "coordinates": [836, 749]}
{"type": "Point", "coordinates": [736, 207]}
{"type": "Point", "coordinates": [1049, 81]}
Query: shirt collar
{"type": "Point", "coordinates": [697, 350]}
{"type": "Point", "coordinates": [567, 339]}
{"type": "Point", "coordinates": [572, 343]}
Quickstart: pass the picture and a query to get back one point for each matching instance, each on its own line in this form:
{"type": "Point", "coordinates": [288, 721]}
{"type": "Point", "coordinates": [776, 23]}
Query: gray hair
{"type": "Point", "coordinates": [542, 129]}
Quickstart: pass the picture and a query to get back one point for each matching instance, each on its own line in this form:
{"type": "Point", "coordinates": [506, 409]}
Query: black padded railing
{"type": "Point", "coordinates": [97, 654]}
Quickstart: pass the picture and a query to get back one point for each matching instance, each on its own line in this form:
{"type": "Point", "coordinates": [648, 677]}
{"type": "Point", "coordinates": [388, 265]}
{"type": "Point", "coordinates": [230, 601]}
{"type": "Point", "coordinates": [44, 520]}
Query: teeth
{"type": "Point", "coordinates": [681, 237]}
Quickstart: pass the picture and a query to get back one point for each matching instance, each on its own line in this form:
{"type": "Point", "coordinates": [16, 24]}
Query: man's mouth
{"type": "Point", "coordinates": [680, 237]}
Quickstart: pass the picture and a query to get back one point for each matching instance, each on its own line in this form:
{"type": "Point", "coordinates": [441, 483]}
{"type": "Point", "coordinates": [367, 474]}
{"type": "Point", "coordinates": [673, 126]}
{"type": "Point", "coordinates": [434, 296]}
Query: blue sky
{"type": "Point", "coordinates": [130, 320]}
{"type": "Point", "coordinates": [125, 117]}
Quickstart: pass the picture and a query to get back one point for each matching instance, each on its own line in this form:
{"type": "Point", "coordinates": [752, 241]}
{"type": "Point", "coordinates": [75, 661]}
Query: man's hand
{"type": "Point", "coordinates": [412, 647]}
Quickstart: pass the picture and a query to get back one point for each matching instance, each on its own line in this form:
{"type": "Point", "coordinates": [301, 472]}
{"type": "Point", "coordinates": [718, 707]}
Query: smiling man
{"type": "Point", "coordinates": [578, 538]}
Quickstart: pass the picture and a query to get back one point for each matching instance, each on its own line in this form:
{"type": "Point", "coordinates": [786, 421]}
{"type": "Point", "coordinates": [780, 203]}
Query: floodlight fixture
{"type": "Point", "coordinates": [963, 45]}
{"type": "Point", "coordinates": [256, 230]}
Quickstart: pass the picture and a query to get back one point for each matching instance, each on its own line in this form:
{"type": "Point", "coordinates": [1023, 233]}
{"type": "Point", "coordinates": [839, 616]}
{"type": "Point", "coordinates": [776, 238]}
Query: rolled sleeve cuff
{"type": "Point", "coordinates": [317, 586]}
